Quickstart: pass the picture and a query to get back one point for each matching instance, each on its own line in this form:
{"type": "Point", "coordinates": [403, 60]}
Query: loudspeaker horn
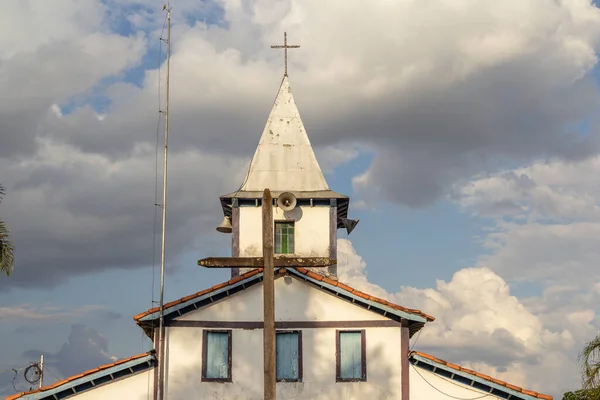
{"type": "Point", "coordinates": [225, 226]}
{"type": "Point", "coordinates": [286, 201]}
{"type": "Point", "coordinates": [349, 224]}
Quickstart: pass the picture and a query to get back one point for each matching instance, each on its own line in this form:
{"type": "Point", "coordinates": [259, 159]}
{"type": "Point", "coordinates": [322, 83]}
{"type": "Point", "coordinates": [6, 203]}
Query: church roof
{"type": "Point", "coordinates": [472, 378]}
{"type": "Point", "coordinates": [89, 379]}
{"type": "Point", "coordinates": [304, 197]}
{"type": "Point", "coordinates": [284, 159]}
{"type": "Point", "coordinates": [416, 318]}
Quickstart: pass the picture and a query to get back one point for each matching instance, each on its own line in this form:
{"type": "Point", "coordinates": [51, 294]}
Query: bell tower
{"type": "Point", "coordinates": [306, 212]}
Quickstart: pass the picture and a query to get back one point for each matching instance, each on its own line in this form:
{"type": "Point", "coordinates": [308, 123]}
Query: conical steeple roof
{"type": "Point", "coordinates": [284, 159]}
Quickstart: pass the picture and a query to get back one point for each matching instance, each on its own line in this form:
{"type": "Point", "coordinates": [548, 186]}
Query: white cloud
{"type": "Point", "coordinates": [479, 324]}
{"type": "Point", "coordinates": [332, 157]}
{"type": "Point", "coordinates": [84, 349]}
{"type": "Point", "coordinates": [438, 90]}
{"type": "Point", "coordinates": [547, 221]}
{"type": "Point", "coordinates": [544, 230]}
{"type": "Point", "coordinates": [102, 208]}
{"type": "Point", "coordinates": [45, 313]}
{"type": "Point", "coordinates": [556, 191]}
{"type": "Point", "coordinates": [434, 90]}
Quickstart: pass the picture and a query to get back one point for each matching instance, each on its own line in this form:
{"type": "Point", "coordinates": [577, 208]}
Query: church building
{"type": "Point", "coordinates": [332, 341]}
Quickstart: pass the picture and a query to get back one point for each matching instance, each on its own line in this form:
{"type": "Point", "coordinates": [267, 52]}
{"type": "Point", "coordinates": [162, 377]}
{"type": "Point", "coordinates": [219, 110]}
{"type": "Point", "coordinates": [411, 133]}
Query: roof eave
{"type": "Point", "coordinates": [208, 296]}
{"type": "Point", "coordinates": [416, 359]}
{"type": "Point", "coordinates": [148, 320]}
{"type": "Point", "coordinates": [343, 202]}
{"type": "Point", "coordinates": [388, 310]}
{"type": "Point", "coordinates": [301, 194]}
{"type": "Point", "coordinates": [87, 382]}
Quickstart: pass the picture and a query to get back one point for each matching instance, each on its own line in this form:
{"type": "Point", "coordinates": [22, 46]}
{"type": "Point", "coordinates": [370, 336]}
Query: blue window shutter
{"type": "Point", "coordinates": [217, 355]}
{"type": "Point", "coordinates": [288, 356]}
{"type": "Point", "coordinates": [350, 357]}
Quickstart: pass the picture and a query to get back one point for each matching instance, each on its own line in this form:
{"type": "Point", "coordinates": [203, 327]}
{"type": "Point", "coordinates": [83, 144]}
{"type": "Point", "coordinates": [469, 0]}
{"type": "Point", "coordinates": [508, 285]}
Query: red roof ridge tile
{"type": "Point", "coordinates": [200, 293]}
{"type": "Point", "coordinates": [74, 377]}
{"type": "Point", "coordinates": [483, 376]}
{"type": "Point", "coordinates": [304, 271]}
{"type": "Point", "coordinates": [356, 292]}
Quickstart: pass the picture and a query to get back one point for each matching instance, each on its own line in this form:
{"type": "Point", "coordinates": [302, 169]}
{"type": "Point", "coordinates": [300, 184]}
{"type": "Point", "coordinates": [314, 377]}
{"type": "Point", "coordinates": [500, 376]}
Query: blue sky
{"type": "Point", "coordinates": [410, 247]}
{"type": "Point", "coordinates": [455, 187]}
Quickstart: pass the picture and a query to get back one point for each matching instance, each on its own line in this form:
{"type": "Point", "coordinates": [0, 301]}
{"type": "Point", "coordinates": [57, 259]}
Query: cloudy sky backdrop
{"type": "Point", "coordinates": [465, 131]}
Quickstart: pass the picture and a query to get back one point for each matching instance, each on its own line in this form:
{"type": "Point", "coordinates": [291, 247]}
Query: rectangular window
{"type": "Point", "coordinates": [289, 356]}
{"type": "Point", "coordinates": [351, 363]}
{"type": "Point", "coordinates": [284, 237]}
{"type": "Point", "coordinates": [216, 355]}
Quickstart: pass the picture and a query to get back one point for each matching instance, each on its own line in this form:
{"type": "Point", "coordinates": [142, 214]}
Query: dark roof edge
{"type": "Point", "coordinates": [317, 194]}
{"type": "Point", "coordinates": [91, 379]}
{"type": "Point", "coordinates": [472, 378]}
{"type": "Point", "coordinates": [223, 290]}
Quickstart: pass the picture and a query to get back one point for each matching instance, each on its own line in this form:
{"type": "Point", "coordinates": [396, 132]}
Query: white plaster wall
{"type": "Point", "coordinates": [311, 230]}
{"type": "Point", "coordinates": [427, 386]}
{"type": "Point", "coordinates": [185, 366]}
{"type": "Point", "coordinates": [134, 387]}
{"type": "Point", "coordinates": [294, 301]}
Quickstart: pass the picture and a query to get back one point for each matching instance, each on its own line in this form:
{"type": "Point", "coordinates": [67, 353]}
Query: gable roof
{"type": "Point", "coordinates": [473, 378]}
{"type": "Point", "coordinates": [416, 319]}
{"type": "Point", "coordinates": [90, 379]}
{"type": "Point", "coordinates": [284, 158]}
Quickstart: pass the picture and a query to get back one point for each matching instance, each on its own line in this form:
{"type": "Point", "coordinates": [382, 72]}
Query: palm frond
{"type": "Point", "coordinates": [589, 360]}
{"type": "Point", "coordinates": [7, 257]}
{"type": "Point", "coordinates": [7, 250]}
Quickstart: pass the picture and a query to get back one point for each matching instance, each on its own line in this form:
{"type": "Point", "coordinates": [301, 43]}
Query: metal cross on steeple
{"type": "Point", "coordinates": [285, 48]}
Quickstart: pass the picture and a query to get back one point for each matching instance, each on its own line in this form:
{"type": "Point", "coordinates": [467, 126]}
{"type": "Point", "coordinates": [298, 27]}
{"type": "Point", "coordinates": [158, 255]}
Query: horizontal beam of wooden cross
{"type": "Point", "coordinates": [258, 262]}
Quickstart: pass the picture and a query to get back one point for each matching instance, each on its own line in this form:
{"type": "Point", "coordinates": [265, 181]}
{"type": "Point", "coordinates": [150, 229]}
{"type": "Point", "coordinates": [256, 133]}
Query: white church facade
{"type": "Point", "coordinates": [332, 341]}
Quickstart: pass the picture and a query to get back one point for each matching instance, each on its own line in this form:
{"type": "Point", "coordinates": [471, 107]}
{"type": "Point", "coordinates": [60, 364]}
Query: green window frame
{"type": "Point", "coordinates": [284, 237]}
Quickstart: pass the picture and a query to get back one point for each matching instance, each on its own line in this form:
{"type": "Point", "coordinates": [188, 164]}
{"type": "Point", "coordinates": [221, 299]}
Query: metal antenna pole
{"type": "Point", "coordinates": [161, 328]}
{"type": "Point", "coordinates": [41, 370]}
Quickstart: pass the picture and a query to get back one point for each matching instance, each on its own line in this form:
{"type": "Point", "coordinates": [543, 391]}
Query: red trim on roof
{"type": "Point", "coordinates": [72, 378]}
{"type": "Point", "coordinates": [482, 376]}
{"type": "Point", "coordinates": [303, 271]}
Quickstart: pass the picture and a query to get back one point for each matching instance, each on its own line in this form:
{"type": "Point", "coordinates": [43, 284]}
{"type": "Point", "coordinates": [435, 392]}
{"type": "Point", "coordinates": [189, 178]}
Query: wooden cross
{"type": "Point", "coordinates": [268, 262]}
{"type": "Point", "coordinates": [285, 48]}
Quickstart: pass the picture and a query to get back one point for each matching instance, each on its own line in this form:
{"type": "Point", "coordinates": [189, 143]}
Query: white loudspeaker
{"type": "Point", "coordinates": [286, 201]}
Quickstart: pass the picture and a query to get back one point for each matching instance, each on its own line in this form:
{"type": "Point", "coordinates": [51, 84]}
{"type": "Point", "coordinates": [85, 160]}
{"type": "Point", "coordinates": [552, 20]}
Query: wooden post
{"type": "Point", "coordinates": [404, 363]}
{"type": "Point", "coordinates": [269, 340]}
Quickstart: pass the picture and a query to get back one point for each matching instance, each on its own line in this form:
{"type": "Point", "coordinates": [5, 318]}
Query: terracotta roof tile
{"type": "Point", "coordinates": [74, 377]}
{"type": "Point", "coordinates": [345, 287]}
{"type": "Point", "coordinates": [314, 275]}
{"type": "Point", "coordinates": [236, 279]}
{"type": "Point", "coordinates": [186, 298]}
{"type": "Point", "coordinates": [200, 293]}
{"type": "Point", "coordinates": [220, 285]}
{"type": "Point", "coordinates": [301, 270]}
{"type": "Point", "coordinates": [513, 387]}
{"type": "Point", "coordinates": [482, 376]}
{"type": "Point", "coordinates": [330, 281]}
{"type": "Point", "coordinates": [363, 295]}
